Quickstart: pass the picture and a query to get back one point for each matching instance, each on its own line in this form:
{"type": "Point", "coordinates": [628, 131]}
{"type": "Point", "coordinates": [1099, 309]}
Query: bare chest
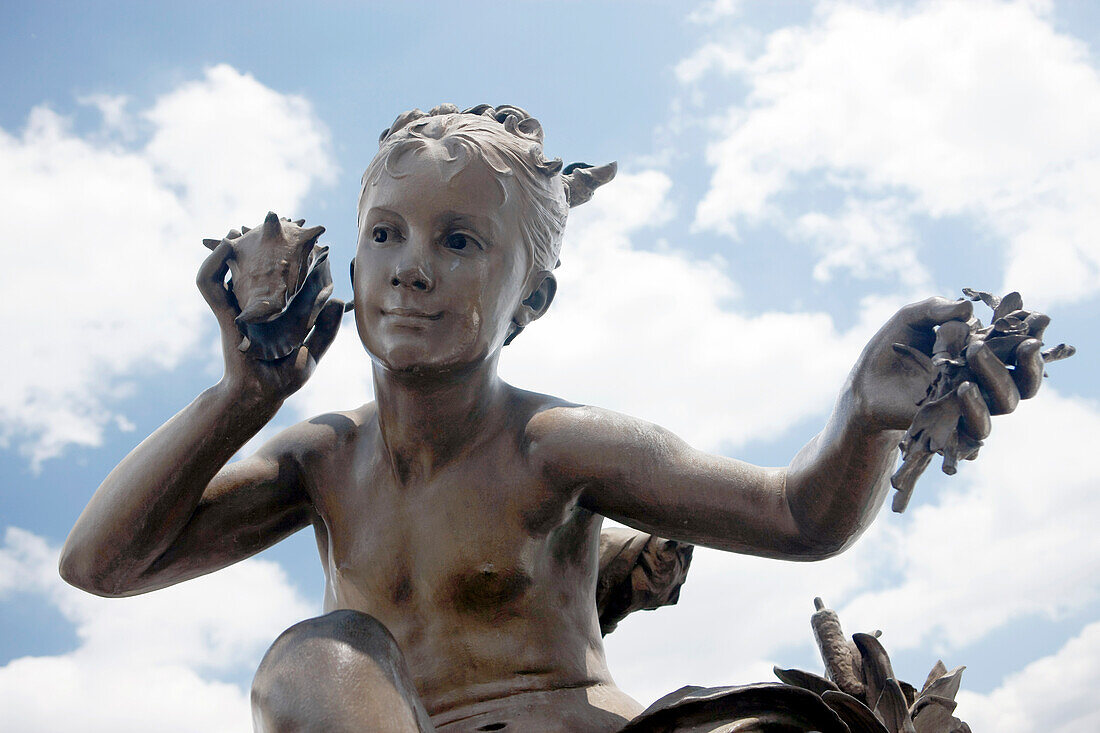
{"type": "Point", "coordinates": [482, 538]}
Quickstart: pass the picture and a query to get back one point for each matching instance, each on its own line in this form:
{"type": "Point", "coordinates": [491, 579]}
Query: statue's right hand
{"type": "Point", "coordinates": [254, 378]}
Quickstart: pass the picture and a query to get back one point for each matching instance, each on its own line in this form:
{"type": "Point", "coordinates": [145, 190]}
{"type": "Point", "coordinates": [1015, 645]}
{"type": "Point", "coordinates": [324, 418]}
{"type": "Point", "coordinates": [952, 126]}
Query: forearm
{"type": "Point", "coordinates": [146, 501]}
{"type": "Point", "coordinates": [838, 481]}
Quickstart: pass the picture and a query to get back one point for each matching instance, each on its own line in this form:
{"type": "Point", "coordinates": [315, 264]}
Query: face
{"type": "Point", "coordinates": [440, 268]}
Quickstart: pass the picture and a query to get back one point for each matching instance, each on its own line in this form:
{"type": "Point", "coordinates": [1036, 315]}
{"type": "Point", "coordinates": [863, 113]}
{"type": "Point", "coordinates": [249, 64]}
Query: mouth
{"type": "Point", "coordinates": [412, 314]}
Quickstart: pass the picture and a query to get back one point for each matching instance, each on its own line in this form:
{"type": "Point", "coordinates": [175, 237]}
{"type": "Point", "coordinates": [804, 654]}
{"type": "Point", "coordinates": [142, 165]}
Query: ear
{"type": "Point", "coordinates": [534, 305]}
{"type": "Point", "coordinates": [350, 305]}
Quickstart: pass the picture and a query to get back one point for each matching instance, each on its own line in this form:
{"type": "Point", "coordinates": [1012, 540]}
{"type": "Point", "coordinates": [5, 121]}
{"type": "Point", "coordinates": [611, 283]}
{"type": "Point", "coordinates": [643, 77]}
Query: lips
{"type": "Point", "coordinates": [412, 313]}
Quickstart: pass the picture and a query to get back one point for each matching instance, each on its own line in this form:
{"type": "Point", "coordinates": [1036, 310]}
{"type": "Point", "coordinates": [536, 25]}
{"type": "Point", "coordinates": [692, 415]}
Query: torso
{"type": "Point", "coordinates": [484, 571]}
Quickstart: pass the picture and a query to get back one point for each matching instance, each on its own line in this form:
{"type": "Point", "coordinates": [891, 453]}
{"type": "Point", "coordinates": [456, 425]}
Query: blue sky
{"type": "Point", "coordinates": [790, 173]}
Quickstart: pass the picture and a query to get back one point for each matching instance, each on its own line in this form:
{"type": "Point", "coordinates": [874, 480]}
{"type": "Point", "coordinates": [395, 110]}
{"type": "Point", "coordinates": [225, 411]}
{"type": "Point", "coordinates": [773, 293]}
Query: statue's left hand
{"type": "Point", "coordinates": [887, 383]}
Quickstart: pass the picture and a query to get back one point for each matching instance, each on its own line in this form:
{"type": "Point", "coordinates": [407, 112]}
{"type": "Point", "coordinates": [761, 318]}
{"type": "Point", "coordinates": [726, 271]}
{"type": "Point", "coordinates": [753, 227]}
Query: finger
{"type": "Point", "coordinates": [937, 310]}
{"type": "Point", "coordinates": [211, 280]}
{"type": "Point", "coordinates": [994, 379]}
{"type": "Point", "coordinates": [1028, 373]}
{"type": "Point", "coordinates": [324, 330]}
{"type": "Point", "coordinates": [975, 413]}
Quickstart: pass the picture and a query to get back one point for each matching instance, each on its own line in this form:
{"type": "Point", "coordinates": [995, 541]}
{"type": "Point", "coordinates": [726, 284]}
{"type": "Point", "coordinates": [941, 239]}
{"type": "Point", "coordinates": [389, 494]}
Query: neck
{"type": "Point", "coordinates": [427, 419]}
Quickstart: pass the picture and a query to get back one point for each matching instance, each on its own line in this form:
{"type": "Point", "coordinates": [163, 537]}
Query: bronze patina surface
{"type": "Point", "coordinates": [458, 518]}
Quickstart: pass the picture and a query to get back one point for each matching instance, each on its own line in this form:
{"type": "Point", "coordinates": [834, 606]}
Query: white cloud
{"type": "Point", "coordinates": [712, 10]}
{"type": "Point", "coordinates": [143, 663]}
{"type": "Point", "coordinates": [343, 378]}
{"type": "Point", "coordinates": [1019, 540]}
{"type": "Point", "coordinates": [1055, 694]}
{"type": "Point", "coordinates": [103, 240]}
{"type": "Point", "coordinates": [736, 618]}
{"type": "Point", "coordinates": [657, 333]}
{"type": "Point", "coordinates": [1011, 537]}
{"type": "Point", "coordinates": [961, 108]}
{"type": "Point", "coordinates": [713, 56]}
{"type": "Point", "coordinates": [112, 108]}
{"type": "Point", "coordinates": [236, 148]}
{"type": "Point", "coordinates": [652, 333]}
{"type": "Point", "coordinates": [867, 239]}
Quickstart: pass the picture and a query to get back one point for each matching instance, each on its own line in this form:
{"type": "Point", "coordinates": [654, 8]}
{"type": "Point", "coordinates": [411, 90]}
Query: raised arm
{"type": "Point", "coordinates": [173, 509]}
{"type": "Point", "coordinates": [644, 476]}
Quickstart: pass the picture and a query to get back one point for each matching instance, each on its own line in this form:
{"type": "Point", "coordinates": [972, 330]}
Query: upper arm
{"type": "Point", "coordinates": [248, 506]}
{"type": "Point", "coordinates": [646, 477]}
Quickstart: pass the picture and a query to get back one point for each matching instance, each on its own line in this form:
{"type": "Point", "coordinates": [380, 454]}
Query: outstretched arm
{"type": "Point", "coordinates": [646, 477]}
{"type": "Point", "coordinates": [172, 509]}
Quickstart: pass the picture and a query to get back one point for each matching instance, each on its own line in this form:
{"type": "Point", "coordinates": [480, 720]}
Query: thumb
{"type": "Point", "coordinates": [934, 311]}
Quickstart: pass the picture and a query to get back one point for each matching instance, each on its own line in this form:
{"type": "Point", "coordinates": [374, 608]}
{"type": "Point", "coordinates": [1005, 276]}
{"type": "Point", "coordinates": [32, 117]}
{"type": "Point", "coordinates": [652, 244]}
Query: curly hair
{"type": "Point", "coordinates": [509, 141]}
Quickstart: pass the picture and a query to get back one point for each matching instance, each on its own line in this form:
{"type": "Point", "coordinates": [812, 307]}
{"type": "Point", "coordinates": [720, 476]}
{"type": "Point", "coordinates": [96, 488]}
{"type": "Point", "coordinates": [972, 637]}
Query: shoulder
{"type": "Point", "coordinates": [582, 441]}
{"type": "Point", "coordinates": [319, 436]}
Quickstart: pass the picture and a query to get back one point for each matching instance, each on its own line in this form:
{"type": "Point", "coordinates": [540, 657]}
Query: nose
{"type": "Point", "coordinates": [413, 270]}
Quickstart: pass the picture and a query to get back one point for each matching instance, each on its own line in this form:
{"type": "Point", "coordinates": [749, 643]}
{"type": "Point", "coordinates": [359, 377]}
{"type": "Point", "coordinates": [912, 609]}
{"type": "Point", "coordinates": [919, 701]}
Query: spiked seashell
{"type": "Point", "coordinates": [280, 278]}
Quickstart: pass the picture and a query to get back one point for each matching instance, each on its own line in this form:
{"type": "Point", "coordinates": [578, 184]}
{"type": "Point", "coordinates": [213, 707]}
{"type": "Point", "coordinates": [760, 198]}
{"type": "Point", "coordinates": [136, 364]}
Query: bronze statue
{"type": "Point", "coordinates": [458, 518]}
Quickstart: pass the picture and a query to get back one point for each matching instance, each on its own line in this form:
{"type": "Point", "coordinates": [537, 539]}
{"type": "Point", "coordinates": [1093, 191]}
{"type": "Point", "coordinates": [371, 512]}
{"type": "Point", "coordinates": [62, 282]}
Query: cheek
{"type": "Point", "coordinates": [363, 286]}
{"type": "Point", "coordinates": [474, 308]}
{"type": "Point", "coordinates": [485, 312]}
{"type": "Point", "coordinates": [471, 328]}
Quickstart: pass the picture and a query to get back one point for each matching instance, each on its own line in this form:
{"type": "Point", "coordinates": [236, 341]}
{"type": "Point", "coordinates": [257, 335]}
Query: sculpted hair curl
{"type": "Point", "coordinates": [509, 141]}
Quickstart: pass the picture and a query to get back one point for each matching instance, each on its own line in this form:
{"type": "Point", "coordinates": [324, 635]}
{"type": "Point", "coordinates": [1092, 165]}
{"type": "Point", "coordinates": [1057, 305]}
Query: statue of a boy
{"type": "Point", "coordinates": [457, 517]}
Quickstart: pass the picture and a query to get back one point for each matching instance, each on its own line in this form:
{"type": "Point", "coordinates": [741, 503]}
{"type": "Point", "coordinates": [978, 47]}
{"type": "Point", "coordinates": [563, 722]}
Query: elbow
{"type": "Point", "coordinates": [820, 535]}
{"type": "Point", "coordinates": [823, 550]}
{"type": "Point", "coordinates": [810, 547]}
{"type": "Point", "coordinates": [76, 569]}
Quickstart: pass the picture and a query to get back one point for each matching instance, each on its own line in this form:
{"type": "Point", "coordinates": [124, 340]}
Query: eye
{"type": "Point", "coordinates": [458, 240]}
{"type": "Point", "coordinates": [381, 235]}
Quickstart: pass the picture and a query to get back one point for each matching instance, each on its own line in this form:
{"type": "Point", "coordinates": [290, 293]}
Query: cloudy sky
{"type": "Point", "coordinates": [790, 173]}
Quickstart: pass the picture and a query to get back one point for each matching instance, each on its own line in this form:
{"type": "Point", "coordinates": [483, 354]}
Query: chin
{"type": "Point", "coordinates": [422, 359]}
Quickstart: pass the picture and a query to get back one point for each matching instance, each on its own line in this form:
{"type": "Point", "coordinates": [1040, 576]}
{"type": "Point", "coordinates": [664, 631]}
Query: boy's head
{"type": "Point", "coordinates": [509, 141]}
{"type": "Point", "coordinates": [461, 218]}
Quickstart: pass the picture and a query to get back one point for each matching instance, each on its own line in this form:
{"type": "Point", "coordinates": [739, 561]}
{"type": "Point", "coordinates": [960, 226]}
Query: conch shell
{"type": "Point", "coordinates": [280, 278]}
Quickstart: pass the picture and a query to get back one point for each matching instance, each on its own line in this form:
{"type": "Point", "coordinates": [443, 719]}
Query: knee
{"type": "Point", "coordinates": [329, 674]}
{"type": "Point", "coordinates": [336, 639]}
